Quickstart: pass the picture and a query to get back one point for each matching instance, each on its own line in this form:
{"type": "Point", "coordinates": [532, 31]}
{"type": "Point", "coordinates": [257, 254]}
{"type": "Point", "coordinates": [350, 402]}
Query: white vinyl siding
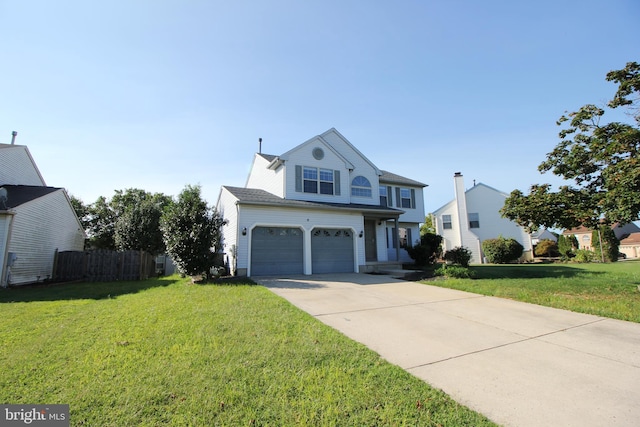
{"type": "Point", "coordinates": [266, 179]}
{"type": "Point", "coordinates": [18, 167]}
{"type": "Point", "coordinates": [39, 228]}
{"type": "Point", "coordinates": [259, 216]}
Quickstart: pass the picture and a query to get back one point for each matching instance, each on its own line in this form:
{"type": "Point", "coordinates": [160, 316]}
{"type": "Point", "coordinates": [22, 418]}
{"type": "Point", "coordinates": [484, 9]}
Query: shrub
{"type": "Point", "coordinates": [566, 245]}
{"type": "Point", "coordinates": [583, 255]}
{"type": "Point", "coordinates": [427, 250]}
{"type": "Point", "coordinates": [501, 250]}
{"type": "Point", "coordinates": [548, 248]}
{"type": "Point", "coordinates": [454, 271]}
{"type": "Point", "coordinates": [458, 255]}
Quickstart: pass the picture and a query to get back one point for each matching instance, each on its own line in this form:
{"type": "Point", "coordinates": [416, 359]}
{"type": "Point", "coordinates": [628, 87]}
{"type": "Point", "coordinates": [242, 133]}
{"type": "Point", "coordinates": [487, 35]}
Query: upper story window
{"type": "Point", "coordinates": [405, 198]}
{"type": "Point", "coordinates": [474, 220]}
{"type": "Point", "coordinates": [360, 187]}
{"type": "Point", "coordinates": [446, 222]}
{"type": "Point", "coordinates": [316, 180]}
{"type": "Point", "coordinates": [385, 195]}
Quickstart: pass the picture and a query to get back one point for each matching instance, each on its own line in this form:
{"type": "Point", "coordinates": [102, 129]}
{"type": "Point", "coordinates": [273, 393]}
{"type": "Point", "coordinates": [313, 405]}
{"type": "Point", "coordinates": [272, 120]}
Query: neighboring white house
{"type": "Point", "coordinates": [473, 216]}
{"type": "Point", "coordinates": [35, 220]}
{"type": "Point", "coordinates": [321, 207]}
{"type": "Point", "coordinates": [542, 234]}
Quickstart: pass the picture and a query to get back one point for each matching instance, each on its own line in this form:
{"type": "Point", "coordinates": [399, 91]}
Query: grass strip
{"type": "Point", "coordinates": [608, 290]}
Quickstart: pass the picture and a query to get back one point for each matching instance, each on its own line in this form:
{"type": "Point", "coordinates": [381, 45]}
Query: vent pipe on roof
{"type": "Point", "coordinates": [259, 145]}
{"type": "Point", "coordinates": [13, 137]}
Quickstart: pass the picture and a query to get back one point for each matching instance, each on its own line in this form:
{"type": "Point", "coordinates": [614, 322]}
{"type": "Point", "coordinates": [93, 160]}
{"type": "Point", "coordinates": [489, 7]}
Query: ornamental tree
{"type": "Point", "coordinates": [601, 159]}
{"type": "Point", "coordinates": [192, 232]}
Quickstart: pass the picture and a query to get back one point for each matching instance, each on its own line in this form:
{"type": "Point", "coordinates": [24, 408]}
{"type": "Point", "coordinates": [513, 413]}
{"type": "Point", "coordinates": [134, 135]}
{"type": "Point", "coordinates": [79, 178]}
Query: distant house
{"type": "Point", "coordinates": [473, 216]}
{"type": "Point", "coordinates": [321, 207]}
{"type": "Point", "coordinates": [542, 234]}
{"type": "Point", "coordinates": [583, 234]}
{"type": "Point", "coordinates": [35, 220]}
{"type": "Point", "coordinates": [630, 246]}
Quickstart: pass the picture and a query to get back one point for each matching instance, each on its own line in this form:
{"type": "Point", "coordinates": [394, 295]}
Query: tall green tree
{"type": "Point", "coordinates": [602, 160]}
{"type": "Point", "coordinates": [605, 244]}
{"type": "Point", "coordinates": [138, 227]}
{"type": "Point", "coordinates": [129, 220]}
{"type": "Point", "coordinates": [428, 226]}
{"type": "Point", "coordinates": [192, 232]}
{"type": "Point", "coordinates": [101, 224]}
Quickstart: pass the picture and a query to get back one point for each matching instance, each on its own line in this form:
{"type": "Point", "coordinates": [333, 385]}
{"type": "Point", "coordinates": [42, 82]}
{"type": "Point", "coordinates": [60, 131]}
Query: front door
{"type": "Point", "coordinates": [370, 246]}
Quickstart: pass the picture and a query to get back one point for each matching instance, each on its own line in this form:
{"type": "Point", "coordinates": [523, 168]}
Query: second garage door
{"type": "Point", "coordinates": [276, 251]}
{"type": "Point", "coordinates": [332, 250]}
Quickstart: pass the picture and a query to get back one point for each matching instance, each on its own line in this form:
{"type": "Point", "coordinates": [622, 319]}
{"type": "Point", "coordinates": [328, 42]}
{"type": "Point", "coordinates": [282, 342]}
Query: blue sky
{"type": "Point", "coordinates": [160, 94]}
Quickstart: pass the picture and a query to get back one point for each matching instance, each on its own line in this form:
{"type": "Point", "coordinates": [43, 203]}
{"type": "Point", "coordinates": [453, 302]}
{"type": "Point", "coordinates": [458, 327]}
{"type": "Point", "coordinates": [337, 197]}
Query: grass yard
{"type": "Point", "coordinates": [167, 352]}
{"type": "Point", "coordinates": [608, 290]}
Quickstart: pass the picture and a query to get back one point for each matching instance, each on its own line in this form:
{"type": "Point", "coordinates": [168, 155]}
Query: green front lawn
{"type": "Point", "coordinates": [609, 290]}
{"type": "Point", "coordinates": [167, 352]}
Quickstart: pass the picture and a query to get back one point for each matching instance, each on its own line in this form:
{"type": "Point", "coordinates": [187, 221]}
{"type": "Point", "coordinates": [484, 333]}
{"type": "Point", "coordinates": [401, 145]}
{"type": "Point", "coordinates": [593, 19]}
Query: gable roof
{"type": "Point", "coordinates": [258, 197]}
{"type": "Point", "coordinates": [435, 212]}
{"type": "Point", "coordinates": [632, 239]}
{"type": "Point", "coordinates": [20, 194]}
{"type": "Point", "coordinates": [315, 139]}
{"type": "Point", "coordinates": [392, 178]}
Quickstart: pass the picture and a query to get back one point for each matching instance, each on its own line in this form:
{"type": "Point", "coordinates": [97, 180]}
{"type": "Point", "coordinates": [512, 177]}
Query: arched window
{"type": "Point", "coordinates": [360, 187]}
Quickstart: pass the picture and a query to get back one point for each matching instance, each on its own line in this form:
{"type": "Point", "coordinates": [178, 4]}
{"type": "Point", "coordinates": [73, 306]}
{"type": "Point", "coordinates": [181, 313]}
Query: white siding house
{"type": "Point", "coordinates": [35, 220]}
{"type": "Point", "coordinates": [318, 208]}
{"type": "Point", "coordinates": [473, 216]}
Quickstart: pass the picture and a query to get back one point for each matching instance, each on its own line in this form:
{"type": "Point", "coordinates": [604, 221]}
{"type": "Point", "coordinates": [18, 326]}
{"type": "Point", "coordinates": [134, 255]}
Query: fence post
{"type": "Point", "coordinates": [55, 266]}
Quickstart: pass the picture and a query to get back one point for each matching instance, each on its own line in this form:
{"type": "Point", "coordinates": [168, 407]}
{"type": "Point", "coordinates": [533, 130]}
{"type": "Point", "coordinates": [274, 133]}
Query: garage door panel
{"type": "Point", "coordinates": [276, 250]}
{"type": "Point", "coordinates": [332, 250]}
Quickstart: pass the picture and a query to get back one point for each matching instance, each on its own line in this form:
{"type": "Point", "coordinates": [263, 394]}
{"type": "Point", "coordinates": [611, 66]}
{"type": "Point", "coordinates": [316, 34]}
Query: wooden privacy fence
{"type": "Point", "coordinates": [103, 265]}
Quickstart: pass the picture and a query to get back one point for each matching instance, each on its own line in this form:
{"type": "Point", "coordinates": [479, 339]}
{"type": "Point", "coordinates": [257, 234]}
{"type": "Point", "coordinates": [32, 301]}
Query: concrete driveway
{"type": "Point", "coordinates": [518, 364]}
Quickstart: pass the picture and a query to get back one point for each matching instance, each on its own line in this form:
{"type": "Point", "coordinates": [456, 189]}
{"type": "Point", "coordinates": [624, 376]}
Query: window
{"type": "Point", "coordinates": [446, 222]}
{"type": "Point", "coordinates": [474, 220]}
{"type": "Point", "coordinates": [404, 235]}
{"type": "Point", "coordinates": [316, 180]}
{"type": "Point", "coordinates": [310, 180]}
{"type": "Point", "coordinates": [326, 181]}
{"type": "Point", "coordinates": [360, 187]}
{"type": "Point", "coordinates": [405, 198]}
{"type": "Point", "coordinates": [385, 200]}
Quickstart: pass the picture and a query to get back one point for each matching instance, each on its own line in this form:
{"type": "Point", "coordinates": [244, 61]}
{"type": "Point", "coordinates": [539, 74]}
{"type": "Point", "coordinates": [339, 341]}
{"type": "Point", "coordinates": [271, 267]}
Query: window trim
{"type": "Point", "coordinates": [445, 222]}
{"type": "Point", "coordinates": [474, 219]}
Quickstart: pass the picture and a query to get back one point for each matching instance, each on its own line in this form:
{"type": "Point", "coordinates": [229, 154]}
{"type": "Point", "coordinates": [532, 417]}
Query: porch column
{"type": "Point", "coordinates": [395, 221]}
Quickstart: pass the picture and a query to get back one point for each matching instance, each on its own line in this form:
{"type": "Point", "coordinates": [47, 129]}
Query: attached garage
{"type": "Point", "coordinates": [332, 250]}
{"type": "Point", "coordinates": [276, 251]}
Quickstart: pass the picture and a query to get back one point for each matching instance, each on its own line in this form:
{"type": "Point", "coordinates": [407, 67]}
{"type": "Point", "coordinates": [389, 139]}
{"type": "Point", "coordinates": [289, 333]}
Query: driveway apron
{"type": "Point", "coordinates": [518, 364]}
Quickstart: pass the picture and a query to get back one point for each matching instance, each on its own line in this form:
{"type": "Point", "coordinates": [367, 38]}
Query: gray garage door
{"type": "Point", "coordinates": [276, 251]}
{"type": "Point", "coordinates": [332, 250]}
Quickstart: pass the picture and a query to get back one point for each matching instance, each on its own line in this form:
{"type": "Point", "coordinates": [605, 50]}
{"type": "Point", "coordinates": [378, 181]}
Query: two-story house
{"type": "Point", "coordinates": [473, 216]}
{"type": "Point", "coordinates": [321, 207]}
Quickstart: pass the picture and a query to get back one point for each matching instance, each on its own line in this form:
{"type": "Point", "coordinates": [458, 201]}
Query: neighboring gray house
{"type": "Point", "coordinates": [35, 220]}
{"type": "Point", "coordinates": [320, 207]}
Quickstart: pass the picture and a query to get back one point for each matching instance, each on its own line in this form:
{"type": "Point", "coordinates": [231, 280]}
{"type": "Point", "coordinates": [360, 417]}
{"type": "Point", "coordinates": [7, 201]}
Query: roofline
{"type": "Point", "coordinates": [322, 206]}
